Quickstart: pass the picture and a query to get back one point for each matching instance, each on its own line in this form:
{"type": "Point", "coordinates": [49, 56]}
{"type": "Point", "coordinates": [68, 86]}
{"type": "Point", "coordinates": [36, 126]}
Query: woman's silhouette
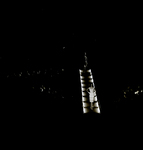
{"type": "Point", "coordinates": [91, 94]}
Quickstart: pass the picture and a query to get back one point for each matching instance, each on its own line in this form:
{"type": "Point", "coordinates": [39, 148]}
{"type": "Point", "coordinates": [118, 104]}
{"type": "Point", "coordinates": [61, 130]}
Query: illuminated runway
{"type": "Point", "coordinates": [86, 79]}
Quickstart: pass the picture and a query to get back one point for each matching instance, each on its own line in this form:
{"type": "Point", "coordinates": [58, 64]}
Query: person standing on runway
{"type": "Point", "coordinates": [91, 95]}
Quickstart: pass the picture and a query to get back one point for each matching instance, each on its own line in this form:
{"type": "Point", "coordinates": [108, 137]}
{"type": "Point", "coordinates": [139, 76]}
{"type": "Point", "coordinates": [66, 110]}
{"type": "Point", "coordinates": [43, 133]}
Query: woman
{"type": "Point", "coordinates": [91, 94]}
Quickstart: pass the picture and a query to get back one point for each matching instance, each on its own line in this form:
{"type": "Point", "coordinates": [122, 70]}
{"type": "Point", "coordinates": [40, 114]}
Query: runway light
{"type": "Point", "coordinates": [38, 72]}
{"type": "Point", "coordinates": [41, 89]}
{"type": "Point", "coordinates": [136, 92]}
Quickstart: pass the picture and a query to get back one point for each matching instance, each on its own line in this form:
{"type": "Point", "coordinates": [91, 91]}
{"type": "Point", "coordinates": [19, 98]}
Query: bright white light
{"type": "Point", "coordinates": [141, 90]}
{"type": "Point", "coordinates": [136, 92]}
{"type": "Point", "coordinates": [41, 89]}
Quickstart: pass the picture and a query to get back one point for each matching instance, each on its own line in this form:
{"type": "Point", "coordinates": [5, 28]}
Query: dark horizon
{"type": "Point", "coordinates": [112, 42]}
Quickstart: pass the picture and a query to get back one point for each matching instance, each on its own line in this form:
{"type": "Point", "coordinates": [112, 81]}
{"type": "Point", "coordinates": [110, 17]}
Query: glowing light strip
{"type": "Point", "coordinates": [85, 105]}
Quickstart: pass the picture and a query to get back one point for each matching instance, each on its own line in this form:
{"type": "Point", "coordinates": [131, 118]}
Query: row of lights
{"type": "Point", "coordinates": [136, 92]}
{"type": "Point", "coordinates": [38, 72]}
{"type": "Point", "coordinates": [49, 91]}
{"type": "Point", "coordinates": [42, 88]}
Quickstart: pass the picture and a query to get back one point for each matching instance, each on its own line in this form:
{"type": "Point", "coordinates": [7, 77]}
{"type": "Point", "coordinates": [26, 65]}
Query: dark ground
{"type": "Point", "coordinates": [113, 42]}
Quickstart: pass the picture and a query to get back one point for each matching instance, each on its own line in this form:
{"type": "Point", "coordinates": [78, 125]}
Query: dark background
{"type": "Point", "coordinates": [111, 35]}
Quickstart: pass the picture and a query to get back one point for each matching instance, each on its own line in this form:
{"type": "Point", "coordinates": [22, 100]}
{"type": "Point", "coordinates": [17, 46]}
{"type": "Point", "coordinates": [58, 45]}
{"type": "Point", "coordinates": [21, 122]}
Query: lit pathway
{"type": "Point", "coordinates": [86, 79]}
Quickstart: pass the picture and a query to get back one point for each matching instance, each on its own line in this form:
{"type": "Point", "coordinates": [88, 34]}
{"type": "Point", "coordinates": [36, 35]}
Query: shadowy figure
{"type": "Point", "coordinates": [91, 95]}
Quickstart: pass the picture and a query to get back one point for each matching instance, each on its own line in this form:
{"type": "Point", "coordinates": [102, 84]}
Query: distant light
{"type": "Point", "coordinates": [41, 89]}
{"type": "Point", "coordinates": [124, 92]}
{"type": "Point", "coordinates": [28, 73]}
{"type": "Point", "coordinates": [38, 72]}
{"type": "Point", "coordinates": [141, 90]}
{"type": "Point", "coordinates": [62, 69]}
{"type": "Point", "coordinates": [63, 47]}
{"type": "Point", "coordinates": [136, 92]}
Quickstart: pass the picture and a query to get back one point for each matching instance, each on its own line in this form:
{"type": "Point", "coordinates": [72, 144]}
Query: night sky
{"type": "Point", "coordinates": [39, 37]}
